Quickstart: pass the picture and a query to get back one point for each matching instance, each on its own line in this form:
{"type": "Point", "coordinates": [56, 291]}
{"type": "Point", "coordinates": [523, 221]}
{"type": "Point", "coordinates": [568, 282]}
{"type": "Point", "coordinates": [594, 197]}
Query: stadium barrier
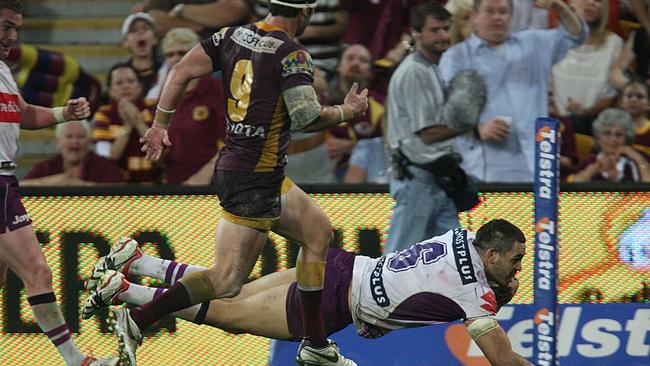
{"type": "Point", "coordinates": [603, 236]}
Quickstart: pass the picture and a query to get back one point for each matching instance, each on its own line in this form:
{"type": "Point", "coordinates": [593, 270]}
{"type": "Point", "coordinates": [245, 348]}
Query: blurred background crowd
{"type": "Point", "coordinates": [117, 54]}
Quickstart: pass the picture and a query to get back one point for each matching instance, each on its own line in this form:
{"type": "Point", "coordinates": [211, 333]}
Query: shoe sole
{"type": "Point", "coordinates": [126, 358]}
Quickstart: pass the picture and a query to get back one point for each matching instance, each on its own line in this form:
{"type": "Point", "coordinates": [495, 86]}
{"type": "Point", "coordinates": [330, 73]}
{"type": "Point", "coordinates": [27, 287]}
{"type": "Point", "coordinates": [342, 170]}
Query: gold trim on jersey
{"type": "Point", "coordinates": [269, 157]}
{"type": "Point", "coordinates": [286, 185]}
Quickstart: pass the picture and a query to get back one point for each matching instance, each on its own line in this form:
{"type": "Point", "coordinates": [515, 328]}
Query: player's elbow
{"type": "Point", "coordinates": [304, 115]}
{"type": "Point", "coordinates": [179, 74]}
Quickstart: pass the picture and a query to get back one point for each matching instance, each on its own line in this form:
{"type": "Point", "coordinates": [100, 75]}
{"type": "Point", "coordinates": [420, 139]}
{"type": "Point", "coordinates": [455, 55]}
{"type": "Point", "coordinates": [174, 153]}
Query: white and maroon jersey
{"type": "Point", "coordinates": [435, 281]}
{"type": "Point", "coordinates": [9, 121]}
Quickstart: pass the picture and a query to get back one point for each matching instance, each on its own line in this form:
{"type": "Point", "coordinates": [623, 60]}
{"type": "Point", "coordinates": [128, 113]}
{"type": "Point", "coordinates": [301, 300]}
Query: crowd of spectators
{"type": "Point", "coordinates": [533, 59]}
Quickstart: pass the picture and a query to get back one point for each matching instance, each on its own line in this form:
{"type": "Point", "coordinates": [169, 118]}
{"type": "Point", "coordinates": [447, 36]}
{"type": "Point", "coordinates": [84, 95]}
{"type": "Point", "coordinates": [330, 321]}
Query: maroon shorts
{"type": "Point", "coordinates": [248, 194]}
{"type": "Point", "coordinates": [14, 215]}
{"type": "Point", "coordinates": [334, 301]}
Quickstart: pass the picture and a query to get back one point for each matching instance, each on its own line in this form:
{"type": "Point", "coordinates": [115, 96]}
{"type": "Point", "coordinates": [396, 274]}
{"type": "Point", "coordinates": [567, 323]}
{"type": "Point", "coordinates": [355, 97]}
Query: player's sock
{"type": "Point", "coordinates": [191, 289]}
{"type": "Point", "coordinates": [310, 277]}
{"type": "Point", "coordinates": [161, 269]}
{"type": "Point", "coordinates": [49, 318]}
{"type": "Point", "coordinates": [138, 295]}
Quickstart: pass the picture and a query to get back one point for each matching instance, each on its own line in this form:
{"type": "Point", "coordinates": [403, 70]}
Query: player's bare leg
{"type": "Point", "coordinates": [235, 256]}
{"type": "Point", "coordinates": [260, 308]}
{"type": "Point", "coordinates": [20, 251]}
{"type": "Point", "coordinates": [304, 221]}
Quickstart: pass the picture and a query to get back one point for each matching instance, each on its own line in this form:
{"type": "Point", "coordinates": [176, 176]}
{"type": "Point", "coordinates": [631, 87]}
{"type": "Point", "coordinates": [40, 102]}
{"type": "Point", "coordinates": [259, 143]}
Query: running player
{"type": "Point", "coordinates": [19, 247]}
{"type": "Point", "coordinates": [443, 279]}
{"type": "Point", "coordinates": [268, 79]}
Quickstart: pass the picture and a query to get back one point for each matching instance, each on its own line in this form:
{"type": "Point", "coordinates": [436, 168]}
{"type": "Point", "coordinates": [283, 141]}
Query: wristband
{"type": "Point", "coordinates": [163, 116]}
{"type": "Point", "coordinates": [341, 114]}
{"type": "Point", "coordinates": [57, 112]}
{"type": "Point", "coordinates": [158, 107]}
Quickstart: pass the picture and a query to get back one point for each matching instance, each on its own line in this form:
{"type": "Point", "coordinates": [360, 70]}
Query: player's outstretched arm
{"type": "Point", "coordinates": [194, 64]}
{"type": "Point", "coordinates": [308, 115]}
{"type": "Point", "coordinates": [33, 117]}
{"type": "Point", "coordinates": [494, 342]}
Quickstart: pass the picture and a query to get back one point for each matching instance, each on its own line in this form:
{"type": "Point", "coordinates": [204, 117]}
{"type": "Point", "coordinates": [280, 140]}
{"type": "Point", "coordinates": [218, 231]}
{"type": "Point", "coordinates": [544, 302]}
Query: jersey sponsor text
{"type": "Point", "coordinates": [463, 258]}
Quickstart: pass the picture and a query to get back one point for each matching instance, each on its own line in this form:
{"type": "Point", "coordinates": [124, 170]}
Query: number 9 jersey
{"type": "Point", "coordinates": [258, 61]}
{"type": "Point", "coordinates": [435, 281]}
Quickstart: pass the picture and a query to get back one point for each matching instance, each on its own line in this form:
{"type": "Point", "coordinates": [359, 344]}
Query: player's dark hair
{"type": "Point", "coordinates": [432, 9]}
{"type": "Point", "coordinates": [119, 65]}
{"type": "Point", "coordinates": [15, 5]}
{"type": "Point", "coordinates": [498, 234]}
{"type": "Point", "coordinates": [284, 11]}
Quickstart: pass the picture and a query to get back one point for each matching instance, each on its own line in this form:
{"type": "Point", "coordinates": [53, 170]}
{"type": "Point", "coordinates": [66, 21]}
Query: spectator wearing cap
{"type": "Point", "coordinates": [202, 16]}
{"type": "Point", "coordinates": [615, 159]}
{"type": "Point", "coordinates": [75, 164]}
{"type": "Point", "coordinates": [140, 40]}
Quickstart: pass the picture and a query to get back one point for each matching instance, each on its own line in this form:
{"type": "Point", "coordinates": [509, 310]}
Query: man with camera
{"type": "Point", "coordinates": [428, 184]}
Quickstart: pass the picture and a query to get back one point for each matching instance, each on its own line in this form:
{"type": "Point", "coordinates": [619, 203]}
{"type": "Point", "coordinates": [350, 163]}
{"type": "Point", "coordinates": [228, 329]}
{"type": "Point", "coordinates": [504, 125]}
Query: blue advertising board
{"type": "Point", "coordinates": [588, 334]}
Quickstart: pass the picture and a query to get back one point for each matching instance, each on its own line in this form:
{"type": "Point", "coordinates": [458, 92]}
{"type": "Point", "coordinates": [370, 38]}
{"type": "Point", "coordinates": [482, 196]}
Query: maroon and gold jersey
{"type": "Point", "coordinates": [258, 62]}
{"type": "Point", "coordinates": [642, 140]}
{"type": "Point", "coordinates": [109, 125]}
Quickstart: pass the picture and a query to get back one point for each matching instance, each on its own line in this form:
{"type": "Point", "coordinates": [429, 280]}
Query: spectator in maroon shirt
{"type": "Point", "coordinates": [381, 26]}
{"type": "Point", "coordinates": [198, 127]}
{"type": "Point", "coordinates": [76, 164]}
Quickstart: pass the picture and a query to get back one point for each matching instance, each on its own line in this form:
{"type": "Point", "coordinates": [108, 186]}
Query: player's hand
{"type": "Point", "coordinates": [76, 109]}
{"type": "Point", "coordinates": [357, 102]}
{"type": "Point", "coordinates": [154, 141]}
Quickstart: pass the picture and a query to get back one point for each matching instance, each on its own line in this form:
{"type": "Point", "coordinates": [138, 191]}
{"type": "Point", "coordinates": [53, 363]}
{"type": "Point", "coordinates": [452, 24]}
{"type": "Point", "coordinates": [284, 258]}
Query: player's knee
{"type": "Point", "coordinates": [322, 234]}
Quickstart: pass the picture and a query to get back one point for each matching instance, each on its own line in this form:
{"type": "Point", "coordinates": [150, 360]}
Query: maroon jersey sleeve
{"type": "Point", "coordinates": [297, 69]}
{"type": "Point", "coordinates": [211, 47]}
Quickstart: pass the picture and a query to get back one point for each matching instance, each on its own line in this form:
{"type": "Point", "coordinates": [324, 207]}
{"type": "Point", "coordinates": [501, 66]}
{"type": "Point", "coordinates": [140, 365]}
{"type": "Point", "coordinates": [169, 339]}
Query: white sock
{"type": "Point", "coordinates": [49, 318]}
{"type": "Point", "coordinates": [161, 269]}
{"type": "Point", "coordinates": [138, 295]}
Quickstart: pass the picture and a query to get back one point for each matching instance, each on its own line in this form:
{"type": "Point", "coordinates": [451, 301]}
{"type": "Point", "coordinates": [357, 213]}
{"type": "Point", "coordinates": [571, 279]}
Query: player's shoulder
{"type": "Point", "coordinates": [295, 61]}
